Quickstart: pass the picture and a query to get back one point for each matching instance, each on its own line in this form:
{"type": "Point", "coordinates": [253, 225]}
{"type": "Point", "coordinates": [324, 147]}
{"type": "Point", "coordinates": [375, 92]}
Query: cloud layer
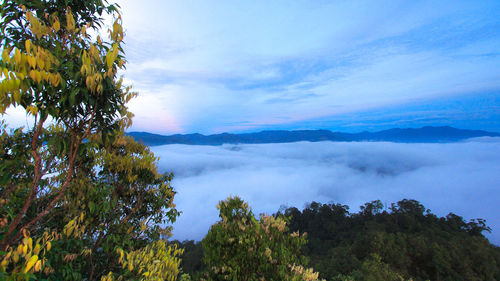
{"type": "Point", "coordinates": [208, 66]}
{"type": "Point", "coordinates": [457, 177]}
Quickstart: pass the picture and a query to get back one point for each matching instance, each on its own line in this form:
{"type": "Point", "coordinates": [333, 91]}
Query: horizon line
{"type": "Point", "coordinates": [299, 130]}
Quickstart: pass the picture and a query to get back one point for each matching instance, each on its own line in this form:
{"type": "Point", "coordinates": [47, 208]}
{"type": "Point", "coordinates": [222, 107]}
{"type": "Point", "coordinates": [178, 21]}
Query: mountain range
{"type": "Point", "coordinates": [409, 135]}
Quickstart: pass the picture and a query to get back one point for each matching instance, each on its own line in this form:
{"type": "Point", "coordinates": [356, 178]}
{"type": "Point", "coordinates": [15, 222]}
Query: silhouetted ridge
{"type": "Point", "coordinates": [411, 135]}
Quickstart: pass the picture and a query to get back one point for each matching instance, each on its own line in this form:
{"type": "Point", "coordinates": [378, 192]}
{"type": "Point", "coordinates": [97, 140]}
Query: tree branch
{"type": "Point", "coordinates": [34, 187]}
{"type": "Point", "coordinates": [76, 141]}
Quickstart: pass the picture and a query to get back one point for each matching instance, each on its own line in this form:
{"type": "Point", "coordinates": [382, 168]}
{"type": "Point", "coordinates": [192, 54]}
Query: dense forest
{"type": "Point", "coordinates": [403, 242]}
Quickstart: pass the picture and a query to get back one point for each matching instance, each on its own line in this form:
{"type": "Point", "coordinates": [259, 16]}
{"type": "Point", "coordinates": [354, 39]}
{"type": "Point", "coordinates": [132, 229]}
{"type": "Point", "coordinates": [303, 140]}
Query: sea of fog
{"type": "Point", "coordinates": [463, 178]}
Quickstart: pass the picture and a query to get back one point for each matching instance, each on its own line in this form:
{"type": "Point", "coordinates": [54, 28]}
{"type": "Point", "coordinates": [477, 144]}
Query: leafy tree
{"type": "Point", "coordinates": [192, 258]}
{"type": "Point", "coordinates": [405, 242]}
{"type": "Point", "coordinates": [54, 71]}
{"type": "Point", "coordinates": [77, 194]}
{"type": "Point", "coordinates": [371, 208]}
{"type": "Point", "coordinates": [240, 247]}
{"type": "Point", "coordinates": [372, 269]}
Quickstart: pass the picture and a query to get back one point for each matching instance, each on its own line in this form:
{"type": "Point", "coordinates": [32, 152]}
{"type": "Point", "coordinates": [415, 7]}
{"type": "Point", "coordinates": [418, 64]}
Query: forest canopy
{"type": "Point", "coordinates": [405, 241]}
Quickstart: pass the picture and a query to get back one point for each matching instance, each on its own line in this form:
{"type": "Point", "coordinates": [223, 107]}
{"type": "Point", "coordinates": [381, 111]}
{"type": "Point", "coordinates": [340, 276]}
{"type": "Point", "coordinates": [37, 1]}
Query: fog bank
{"type": "Point", "coordinates": [462, 178]}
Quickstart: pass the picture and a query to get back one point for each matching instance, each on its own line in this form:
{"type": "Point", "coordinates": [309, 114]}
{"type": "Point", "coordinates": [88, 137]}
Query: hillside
{"type": "Point", "coordinates": [403, 241]}
{"type": "Point", "coordinates": [411, 135]}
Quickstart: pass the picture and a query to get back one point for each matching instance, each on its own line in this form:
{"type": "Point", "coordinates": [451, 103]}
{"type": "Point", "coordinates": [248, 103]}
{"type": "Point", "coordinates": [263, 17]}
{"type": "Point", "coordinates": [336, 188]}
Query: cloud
{"type": "Point", "coordinates": [209, 66]}
{"type": "Point", "coordinates": [310, 59]}
{"type": "Point", "coordinates": [456, 177]}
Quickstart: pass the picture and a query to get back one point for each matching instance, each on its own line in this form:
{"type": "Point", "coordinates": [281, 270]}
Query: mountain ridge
{"type": "Point", "coordinates": [406, 135]}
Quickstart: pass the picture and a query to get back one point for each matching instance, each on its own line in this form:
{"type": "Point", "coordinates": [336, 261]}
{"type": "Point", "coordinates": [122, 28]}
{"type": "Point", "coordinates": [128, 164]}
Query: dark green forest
{"type": "Point", "coordinates": [404, 241]}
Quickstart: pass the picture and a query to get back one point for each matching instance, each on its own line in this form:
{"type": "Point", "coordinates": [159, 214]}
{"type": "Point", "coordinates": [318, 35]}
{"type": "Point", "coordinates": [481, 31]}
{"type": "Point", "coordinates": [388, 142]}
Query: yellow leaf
{"type": "Point", "coordinates": [89, 83]}
{"type": "Point", "coordinates": [49, 245]}
{"type": "Point", "coordinates": [70, 230]}
{"type": "Point", "coordinates": [70, 21]}
{"type": "Point", "coordinates": [33, 74]}
{"type": "Point", "coordinates": [27, 44]}
{"type": "Point", "coordinates": [8, 255]}
{"type": "Point", "coordinates": [59, 79]}
{"type": "Point", "coordinates": [32, 61]}
{"type": "Point", "coordinates": [52, 79]}
{"type": "Point", "coordinates": [36, 251]}
{"type": "Point", "coordinates": [56, 26]}
{"type": "Point", "coordinates": [17, 56]}
{"type": "Point", "coordinates": [5, 55]}
{"type": "Point", "coordinates": [30, 263]}
{"type": "Point", "coordinates": [38, 265]}
{"type": "Point", "coordinates": [109, 59]}
{"type": "Point", "coordinates": [21, 75]}
{"type": "Point", "coordinates": [41, 64]}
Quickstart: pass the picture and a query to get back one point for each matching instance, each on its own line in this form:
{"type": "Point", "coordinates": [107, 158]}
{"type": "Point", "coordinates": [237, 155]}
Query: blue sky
{"type": "Point", "coordinates": [215, 66]}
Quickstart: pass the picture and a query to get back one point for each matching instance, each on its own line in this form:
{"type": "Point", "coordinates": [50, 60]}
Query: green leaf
{"type": "Point", "coordinates": [72, 97]}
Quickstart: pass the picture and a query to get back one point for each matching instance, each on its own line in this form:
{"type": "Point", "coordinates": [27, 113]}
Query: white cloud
{"type": "Point", "coordinates": [458, 177]}
{"type": "Point", "coordinates": [229, 58]}
{"type": "Point", "coordinates": [210, 66]}
{"type": "Point", "coordinates": [16, 117]}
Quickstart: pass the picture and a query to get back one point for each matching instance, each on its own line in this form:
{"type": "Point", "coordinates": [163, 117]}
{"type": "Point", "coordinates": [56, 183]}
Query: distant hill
{"type": "Point", "coordinates": [409, 135]}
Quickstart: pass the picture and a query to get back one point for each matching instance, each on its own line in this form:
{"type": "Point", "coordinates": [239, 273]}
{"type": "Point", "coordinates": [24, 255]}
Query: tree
{"type": "Point", "coordinates": [373, 269]}
{"type": "Point", "coordinates": [371, 208]}
{"type": "Point", "coordinates": [54, 71]}
{"type": "Point", "coordinates": [240, 247]}
{"type": "Point", "coordinates": [405, 242]}
{"type": "Point", "coordinates": [75, 192]}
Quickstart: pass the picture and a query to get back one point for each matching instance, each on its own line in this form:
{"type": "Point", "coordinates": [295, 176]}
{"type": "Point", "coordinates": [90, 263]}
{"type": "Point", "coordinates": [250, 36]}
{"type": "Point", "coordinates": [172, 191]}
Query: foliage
{"type": "Point", "coordinates": [156, 261]}
{"type": "Point", "coordinates": [372, 269]}
{"type": "Point", "coordinates": [74, 161]}
{"type": "Point", "coordinates": [192, 259]}
{"type": "Point", "coordinates": [27, 258]}
{"type": "Point", "coordinates": [53, 69]}
{"type": "Point", "coordinates": [240, 247]}
{"type": "Point", "coordinates": [406, 241]}
{"type": "Point", "coordinates": [185, 277]}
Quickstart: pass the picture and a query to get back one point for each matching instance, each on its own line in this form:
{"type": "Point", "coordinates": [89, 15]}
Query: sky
{"type": "Point", "coordinates": [461, 178]}
{"type": "Point", "coordinates": [203, 66]}
{"type": "Point", "coordinates": [240, 66]}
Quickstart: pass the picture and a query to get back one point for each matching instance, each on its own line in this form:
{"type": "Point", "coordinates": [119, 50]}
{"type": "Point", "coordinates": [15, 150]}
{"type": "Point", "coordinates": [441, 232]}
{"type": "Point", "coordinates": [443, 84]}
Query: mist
{"type": "Point", "coordinates": [462, 178]}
